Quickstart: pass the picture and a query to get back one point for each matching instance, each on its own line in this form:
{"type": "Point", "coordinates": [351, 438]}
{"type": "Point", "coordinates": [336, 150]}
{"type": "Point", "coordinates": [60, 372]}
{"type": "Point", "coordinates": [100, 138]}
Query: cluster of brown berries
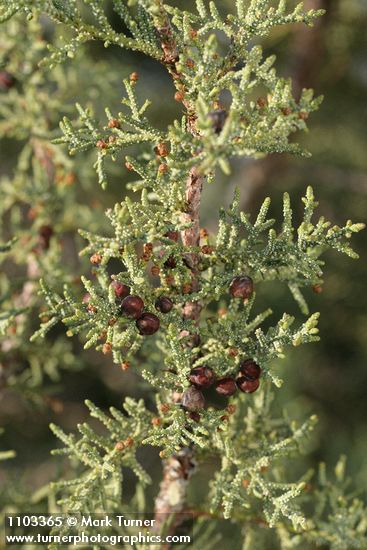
{"type": "Point", "coordinates": [203, 377]}
{"type": "Point", "coordinates": [132, 306]}
{"type": "Point", "coordinates": [247, 381]}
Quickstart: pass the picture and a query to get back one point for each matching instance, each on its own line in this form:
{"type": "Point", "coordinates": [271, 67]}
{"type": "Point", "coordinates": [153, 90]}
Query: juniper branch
{"type": "Point", "coordinates": [178, 468]}
{"type": "Point", "coordinates": [245, 438]}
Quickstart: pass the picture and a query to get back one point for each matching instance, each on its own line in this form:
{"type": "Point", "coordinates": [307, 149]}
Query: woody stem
{"type": "Point", "coordinates": [178, 468]}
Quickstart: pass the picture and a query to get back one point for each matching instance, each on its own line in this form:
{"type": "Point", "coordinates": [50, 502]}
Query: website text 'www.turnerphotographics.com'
{"type": "Point", "coordinates": [97, 529]}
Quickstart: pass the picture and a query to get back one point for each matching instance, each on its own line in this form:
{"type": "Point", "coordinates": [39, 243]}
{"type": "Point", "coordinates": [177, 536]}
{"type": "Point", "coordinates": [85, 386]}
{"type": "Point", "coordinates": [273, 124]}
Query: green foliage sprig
{"type": "Point", "coordinates": [240, 247]}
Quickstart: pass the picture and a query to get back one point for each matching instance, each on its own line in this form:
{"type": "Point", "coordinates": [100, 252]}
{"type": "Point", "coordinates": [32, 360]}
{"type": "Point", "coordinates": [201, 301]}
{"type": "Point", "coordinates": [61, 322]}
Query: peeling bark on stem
{"type": "Point", "coordinates": [191, 236]}
{"type": "Point", "coordinates": [178, 469]}
{"type": "Point", "coordinates": [171, 499]}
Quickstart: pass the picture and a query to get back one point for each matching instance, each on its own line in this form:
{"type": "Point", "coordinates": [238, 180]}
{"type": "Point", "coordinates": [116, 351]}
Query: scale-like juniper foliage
{"type": "Point", "coordinates": [240, 247]}
{"type": "Point", "coordinates": [170, 304]}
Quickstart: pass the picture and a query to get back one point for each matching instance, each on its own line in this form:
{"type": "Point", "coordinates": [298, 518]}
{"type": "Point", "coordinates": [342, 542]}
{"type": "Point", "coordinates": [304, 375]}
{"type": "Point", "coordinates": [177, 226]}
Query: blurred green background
{"type": "Point", "coordinates": [329, 377]}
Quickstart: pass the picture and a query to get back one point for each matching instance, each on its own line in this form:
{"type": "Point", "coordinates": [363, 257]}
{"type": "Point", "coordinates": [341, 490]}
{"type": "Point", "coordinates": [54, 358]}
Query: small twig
{"type": "Point", "coordinates": [191, 235]}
